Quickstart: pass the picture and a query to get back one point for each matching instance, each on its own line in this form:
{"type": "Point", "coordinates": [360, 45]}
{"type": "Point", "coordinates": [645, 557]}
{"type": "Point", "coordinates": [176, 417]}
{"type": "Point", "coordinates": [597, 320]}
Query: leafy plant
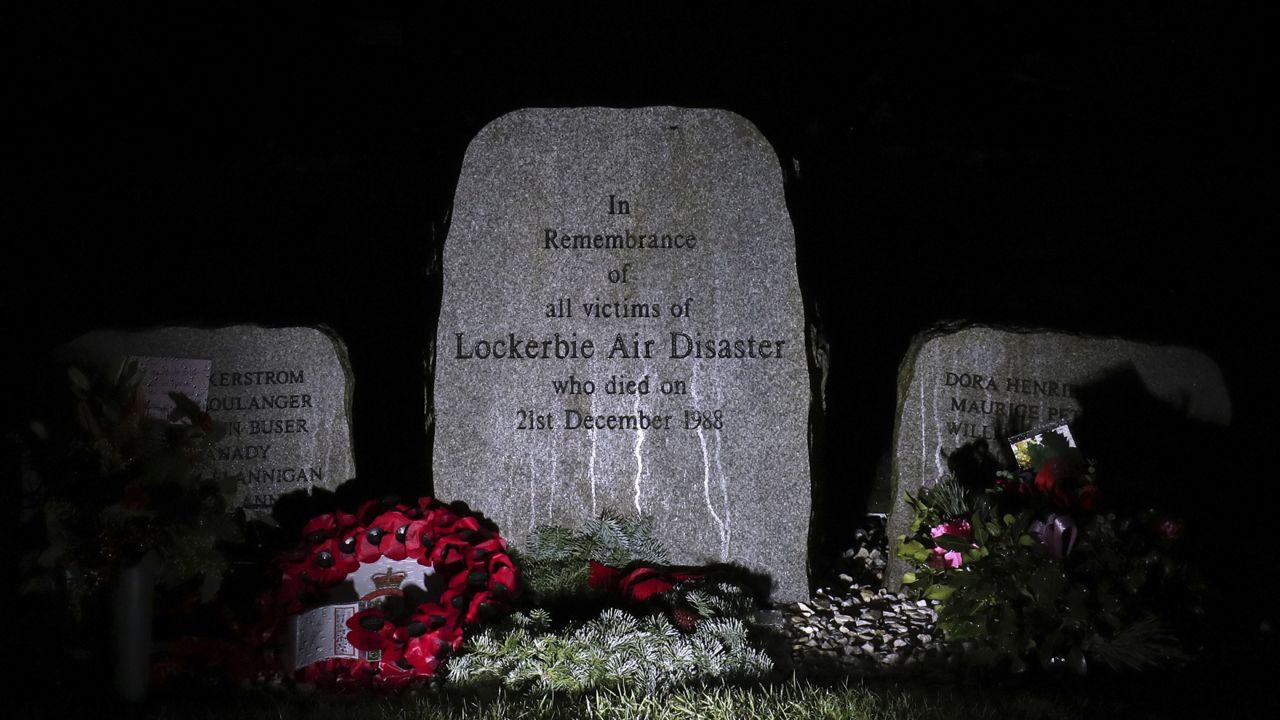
{"type": "Point", "coordinates": [616, 650]}
{"type": "Point", "coordinates": [606, 611]}
{"type": "Point", "coordinates": [558, 560]}
{"type": "Point", "coordinates": [118, 484]}
{"type": "Point", "coordinates": [1029, 572]}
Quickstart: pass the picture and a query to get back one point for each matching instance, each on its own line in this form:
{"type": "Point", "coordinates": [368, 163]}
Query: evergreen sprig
{"type": "Point", "coordinates": [616, 650]}
{"type": "Point", "coordinates": [557, 560]}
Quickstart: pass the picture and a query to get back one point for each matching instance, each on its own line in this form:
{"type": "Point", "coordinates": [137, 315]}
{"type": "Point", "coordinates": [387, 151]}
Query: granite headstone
{"type": "Point", "coordinates": [621, 327]}
{"type": "Point", "coordinates": [962, 383]}
{"type": "Point", "coordinates": [285, 394]}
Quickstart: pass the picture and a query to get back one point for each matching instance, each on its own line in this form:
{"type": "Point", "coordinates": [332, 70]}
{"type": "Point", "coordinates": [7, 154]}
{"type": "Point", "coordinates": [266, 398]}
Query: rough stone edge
{"type": "Point", "coordinates": [779, 179]}
{"type": "Point", "coordinates": [906, 369]}
{"type": "Point", "coordinates": [59, 355]}
{"type": "Point", "coordinates": [348, 395]}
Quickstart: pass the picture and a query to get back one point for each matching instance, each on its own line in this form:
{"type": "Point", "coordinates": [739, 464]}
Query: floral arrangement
{"type": "Point", "coordinates": [471, 578]}
{"type": "Point", "coordinates": [118, 484]}
{"type": "Point", "coordinates": [1030, 568]}
{"type": "Point", "coordinates": [609, 611]}
{"type": "Point", "coordinates": [615, 560]}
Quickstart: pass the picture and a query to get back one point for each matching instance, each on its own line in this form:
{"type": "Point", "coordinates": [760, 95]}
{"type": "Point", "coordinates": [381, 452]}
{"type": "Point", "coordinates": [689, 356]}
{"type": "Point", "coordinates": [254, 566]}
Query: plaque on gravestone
{"type": "Point", "coordinates": [285, 394]}
{"type": "Point", "coordinates": [621, 328]}
{"type": "Point", "coordinates": [161, 376]}
{"type": "Point", "coordinates": [960, 384]}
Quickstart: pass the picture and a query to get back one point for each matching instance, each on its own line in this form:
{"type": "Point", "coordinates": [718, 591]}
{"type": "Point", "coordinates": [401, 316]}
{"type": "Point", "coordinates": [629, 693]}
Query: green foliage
{"type": "Point", "coordinates": [1023, 595]}
{"type": "Point", "coordinates": [636, 646]}
{"type": "Point", "coordinates": [119, 484]}
{"type": "Point", "coordinates": [615, 650]}
{"type": "Point", "coordinates": [949, 497]}
{"type": "Point", "coordinates": [557, 560]}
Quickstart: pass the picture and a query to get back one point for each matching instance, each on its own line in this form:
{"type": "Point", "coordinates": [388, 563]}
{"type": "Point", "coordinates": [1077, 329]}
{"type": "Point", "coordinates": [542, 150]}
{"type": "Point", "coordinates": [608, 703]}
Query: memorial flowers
{"type": "Point", "coordinates": [118, 484]}
{"type": "Point", "coordinates": [402, 632]}
{"type": "Point", "coordinates": [1030, 570]}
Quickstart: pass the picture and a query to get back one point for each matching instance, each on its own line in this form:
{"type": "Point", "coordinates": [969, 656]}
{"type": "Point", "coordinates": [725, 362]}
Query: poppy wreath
{"type": "Point", "coordinates": [473, 576]}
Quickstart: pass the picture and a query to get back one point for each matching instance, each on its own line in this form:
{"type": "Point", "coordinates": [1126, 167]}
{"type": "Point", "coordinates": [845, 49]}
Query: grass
{"type": "Point", "coordinates": [853, 699]}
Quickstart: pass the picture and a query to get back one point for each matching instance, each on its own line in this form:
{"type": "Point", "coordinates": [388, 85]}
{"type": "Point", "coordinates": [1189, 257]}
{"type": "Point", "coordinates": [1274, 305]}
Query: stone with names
{"type": "Point", "coordinates": [621, 328]}
{"type": "Point", "coordinates": [284, 393]}
{"type": "Point", "coordinates": [962, 383]}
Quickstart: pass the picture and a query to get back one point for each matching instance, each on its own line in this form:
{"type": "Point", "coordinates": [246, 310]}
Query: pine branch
{"type": "Point", "coordinates": [615, 650]}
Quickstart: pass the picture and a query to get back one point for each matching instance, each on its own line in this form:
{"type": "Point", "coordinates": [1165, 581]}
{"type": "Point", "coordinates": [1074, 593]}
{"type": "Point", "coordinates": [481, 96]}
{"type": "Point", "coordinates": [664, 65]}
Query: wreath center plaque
{"type": "Point", "coordinates": [621, 328]}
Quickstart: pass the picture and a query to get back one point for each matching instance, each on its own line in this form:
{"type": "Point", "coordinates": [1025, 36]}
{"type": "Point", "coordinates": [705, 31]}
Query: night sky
{"type": "Point", "coordinates": [1093, 171]}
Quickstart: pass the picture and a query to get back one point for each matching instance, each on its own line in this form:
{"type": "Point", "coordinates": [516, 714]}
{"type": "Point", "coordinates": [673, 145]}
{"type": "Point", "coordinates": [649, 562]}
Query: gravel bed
{"type": "Point", "coordinates": [856, 624]}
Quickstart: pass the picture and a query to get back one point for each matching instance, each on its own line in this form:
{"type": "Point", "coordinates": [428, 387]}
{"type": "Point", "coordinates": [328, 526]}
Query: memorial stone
{"type": "Point", "coordinates": [284, 393]}
{"type": "Point", "coordinates": [621, 328]}
{"type": "Point", "coordinates": [959, 384]}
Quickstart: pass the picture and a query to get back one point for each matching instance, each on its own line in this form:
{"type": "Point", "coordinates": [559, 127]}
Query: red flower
{"type": "Point", "coordinates": [431, 635]}
{"type": "Point", "coordinates": [396, 671]}
{"type": "Point", "coordinates": [481, 606]}
{"type": "Point", "coordinates": [437, 617]}
{"type": "Point", "coordinates": [1055, 477]}
{"type": "Point", "coordinates": [449, 552]}
{"type": "Point", "coordinates": [370, 630]}
{"type": "Point", "coordinates": [428, 649]}
{"type": "Point", "coordinates": [380, 539]}
{"type": "Point", "coordinates": [446, 522]}
{"type": "Point", "coordinates": [329, 563]}
{"type": "Point", "coordinates": [331, 673]}
{"type": "Point", "coordinates": [418, 540]}
{"type": "Point", "coordinates": [502, 576]}
{"type": "Point", "coordinates": [326, 526]}
{"type": "Point", "coordinates": [639, 584]}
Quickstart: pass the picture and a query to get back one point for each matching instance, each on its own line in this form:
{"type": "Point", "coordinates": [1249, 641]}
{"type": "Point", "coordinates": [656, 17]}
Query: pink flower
{"type": "Point", "coordinates": [956, 528]}
{"type": "Point", "coordinates": [943, 558]}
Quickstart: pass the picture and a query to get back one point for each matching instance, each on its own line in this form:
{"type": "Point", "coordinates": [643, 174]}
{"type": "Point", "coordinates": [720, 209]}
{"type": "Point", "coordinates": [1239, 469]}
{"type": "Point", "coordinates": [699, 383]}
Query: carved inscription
{"type": "Point", "coordinates": [702, 345]}
{"type": "Point", "coordinates": [982, 404]}
{"type": "Point", "coordinates": [269, 414]}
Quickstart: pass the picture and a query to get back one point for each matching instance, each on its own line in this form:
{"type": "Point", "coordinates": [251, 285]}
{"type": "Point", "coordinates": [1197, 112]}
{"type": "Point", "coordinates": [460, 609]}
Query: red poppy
{"type": "Point", "coordinates": [449, 553]}
{"type": "Point", "coordinates": [445, 522]}
{"type": "Point", "coordinates": [396, 671]}
{"type": "Point", "coordinates": [502, 576]}
{"type": "Point", "coordinates": [327, 564]}
{"type": "Point", "coordinates": [418, 540]}
{"type": "Point", "coordinates": [456, 595]}
{"type": "Point", "coordinates": [370, 630]}
{"type": "Point", "coordinates": [436, 617]}
{"type": "Point", "coordinates": [379, 538]}
{"type": "Point", "coordinates": [368, 510]}
{"type": "Point", "coordinates": [326, 526]}
{"type": "Point", "coordinates": [491, 545]}
{"type": "Point", "coordinates": [340, 673]}
{"type": "Point", "coordinates": [481, 606]}
{"type": "Point", "coordinates": [427, 650]}
{"type": "Point", "coordinates": [639, 584]}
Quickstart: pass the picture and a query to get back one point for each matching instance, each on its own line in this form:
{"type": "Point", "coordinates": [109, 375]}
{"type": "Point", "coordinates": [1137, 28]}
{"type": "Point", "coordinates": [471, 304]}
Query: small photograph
{"type": "Point", "coordinates": [1044, 436]}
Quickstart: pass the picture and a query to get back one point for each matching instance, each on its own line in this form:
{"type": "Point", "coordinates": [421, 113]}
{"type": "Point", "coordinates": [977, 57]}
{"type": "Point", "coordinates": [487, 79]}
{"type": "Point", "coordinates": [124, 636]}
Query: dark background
{"type": "Point", "coordinates": [1102, 171]}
